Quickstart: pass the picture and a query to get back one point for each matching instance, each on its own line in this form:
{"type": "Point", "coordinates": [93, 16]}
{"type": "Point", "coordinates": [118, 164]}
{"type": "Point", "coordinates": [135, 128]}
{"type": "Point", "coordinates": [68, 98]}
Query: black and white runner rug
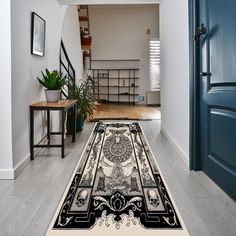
{"type": "Point", "coordinates": [117, 188]}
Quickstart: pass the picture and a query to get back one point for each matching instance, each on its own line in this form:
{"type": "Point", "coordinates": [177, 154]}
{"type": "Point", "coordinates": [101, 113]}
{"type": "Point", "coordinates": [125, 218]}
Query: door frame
{"type": "Point", "coordinates": [194, 89]}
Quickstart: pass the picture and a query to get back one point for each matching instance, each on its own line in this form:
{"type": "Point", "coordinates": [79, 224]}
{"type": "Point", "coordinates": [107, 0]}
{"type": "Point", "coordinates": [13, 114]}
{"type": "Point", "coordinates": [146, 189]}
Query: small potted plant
{"type": "Point", "coordinates": [53, 81]}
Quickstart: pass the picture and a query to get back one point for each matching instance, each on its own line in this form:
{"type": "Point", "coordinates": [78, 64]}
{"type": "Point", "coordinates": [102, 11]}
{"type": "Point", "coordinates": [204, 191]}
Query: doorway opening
{"type": "Point", "coordinates": [121, 55]}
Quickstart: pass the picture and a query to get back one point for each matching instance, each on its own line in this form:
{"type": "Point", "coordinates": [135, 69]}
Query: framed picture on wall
{"type": "Point", "coordinates": [38, 30]}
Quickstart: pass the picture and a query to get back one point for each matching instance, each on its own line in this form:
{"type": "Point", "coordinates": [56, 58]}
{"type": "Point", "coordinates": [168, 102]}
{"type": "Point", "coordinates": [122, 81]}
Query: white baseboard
{"type": "Point", "coordinates": [20, 166]}
{"type": "Point", "coordinates": [13, 173]}
{"type": "Point", "coordinates": [182, 154]}
{"type": "Point", "coordinates": [6, 174]}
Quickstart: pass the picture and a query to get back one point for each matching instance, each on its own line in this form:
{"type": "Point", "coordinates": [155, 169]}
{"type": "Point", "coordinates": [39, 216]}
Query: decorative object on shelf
{"type": "Point", "coordinates": [83, 93]}
{"type": "Point", "coordinates": [53, 82]}
{"type": "Point", "coordinates": [86, 39]}
{"type": "Point", "coordinates": [38, 26]}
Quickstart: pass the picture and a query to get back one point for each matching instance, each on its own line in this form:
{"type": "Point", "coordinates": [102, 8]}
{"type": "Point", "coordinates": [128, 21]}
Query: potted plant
{"type": "Point", "coordinates": [83, 92]}
{"type": "Point", "coordinates": [53, 81]}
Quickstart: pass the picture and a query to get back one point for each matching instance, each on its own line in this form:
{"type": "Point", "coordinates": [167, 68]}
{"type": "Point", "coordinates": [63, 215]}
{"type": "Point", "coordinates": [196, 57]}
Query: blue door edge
{"type": "Point", "coordinates": [194, 89]}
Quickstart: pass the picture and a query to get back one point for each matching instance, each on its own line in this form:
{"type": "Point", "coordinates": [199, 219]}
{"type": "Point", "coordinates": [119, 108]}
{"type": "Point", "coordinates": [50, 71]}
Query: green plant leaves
{"type": "Point", "coordinates": [52, 80]}
{"type": "Point", "coordinates": [84, 94]}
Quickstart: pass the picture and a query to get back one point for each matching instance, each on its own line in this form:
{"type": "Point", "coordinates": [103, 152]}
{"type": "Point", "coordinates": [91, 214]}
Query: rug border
{"type": "Point", "coordinates": [165, 183]}
{"type": "Point", "coordinates": [59, 205]}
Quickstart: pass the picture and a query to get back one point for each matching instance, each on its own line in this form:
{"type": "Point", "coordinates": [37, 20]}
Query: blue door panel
{"type": "Point", "coordinates": [222, 97]}
{"type": "Point", "coordinates": [222, 137]}
{"type": "Point", "coordinates": [223, 58]}
{"type": "Point", "coordinates": [218, 92]}
{"type": "Point", "coordinates": [221, 174]}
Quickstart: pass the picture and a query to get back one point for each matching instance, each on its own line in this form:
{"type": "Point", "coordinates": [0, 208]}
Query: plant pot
{"type": "Point", "coordinates": [52, 95]}
{"type": "Point", "coordinates": [79, 122]}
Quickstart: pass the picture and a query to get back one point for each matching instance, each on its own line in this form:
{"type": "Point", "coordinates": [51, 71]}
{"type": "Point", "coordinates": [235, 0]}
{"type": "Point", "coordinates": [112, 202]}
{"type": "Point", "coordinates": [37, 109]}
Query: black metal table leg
{"type": "Point", "coordinates": [62, 106]}
{"type": "Point", "coordinates": [62, 132]}
{"type": "Point", "coordinates": [48, 126]}
{"type": "Point", "coordinates": [31, 133]}
{"type": "Point", "coordinates": [74, 123]}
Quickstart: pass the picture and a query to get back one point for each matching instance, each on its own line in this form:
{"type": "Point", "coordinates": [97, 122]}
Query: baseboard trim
{"type": "Point", "coordinates": [13, 173]}
{"type": "Point", "coordinates": [182, 154]}
{"type": "Point", "coordinates": [6, 174]}
{"type": "Point", "coordinates": [20, 166]}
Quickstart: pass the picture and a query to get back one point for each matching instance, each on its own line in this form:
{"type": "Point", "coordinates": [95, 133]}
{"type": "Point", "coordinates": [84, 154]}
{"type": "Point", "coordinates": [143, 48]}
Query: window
{"type": "Point", "coordinates": [154, 64]}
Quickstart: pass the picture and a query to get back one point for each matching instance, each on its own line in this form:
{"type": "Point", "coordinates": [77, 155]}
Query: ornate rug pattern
{"type": "Point", "coordinates": [117, 184]}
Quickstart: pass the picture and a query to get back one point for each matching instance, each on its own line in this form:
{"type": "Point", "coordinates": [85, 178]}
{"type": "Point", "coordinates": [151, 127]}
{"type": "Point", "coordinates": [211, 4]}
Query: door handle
{"type": "Point", "coordinates": [199, 32]}
{"type": "Point", "coordinates": [205, 74]}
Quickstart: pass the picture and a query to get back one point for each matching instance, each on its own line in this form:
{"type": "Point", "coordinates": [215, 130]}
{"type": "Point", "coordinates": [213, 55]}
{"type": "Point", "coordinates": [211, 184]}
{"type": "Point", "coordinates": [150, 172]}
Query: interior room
{"type": "Point", "coordinates": [122, 57]}
{"type": "Point", "coordinates": [118, 117]}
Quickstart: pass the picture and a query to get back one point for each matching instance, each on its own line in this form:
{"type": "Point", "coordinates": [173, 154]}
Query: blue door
{"type": "Point", "coordinates": [217, 52]}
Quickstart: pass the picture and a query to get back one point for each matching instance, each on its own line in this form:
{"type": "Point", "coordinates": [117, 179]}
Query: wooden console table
{"type": "Point", "coordinates": [62, 106]}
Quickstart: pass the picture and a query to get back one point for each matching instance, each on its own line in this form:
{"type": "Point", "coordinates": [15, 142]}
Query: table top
{"type": "Point", "coordinates": [60, 104]}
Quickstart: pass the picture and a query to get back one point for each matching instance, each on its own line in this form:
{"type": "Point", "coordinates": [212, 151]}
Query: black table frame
{"type": "Point", "coordinates": [49, 133]}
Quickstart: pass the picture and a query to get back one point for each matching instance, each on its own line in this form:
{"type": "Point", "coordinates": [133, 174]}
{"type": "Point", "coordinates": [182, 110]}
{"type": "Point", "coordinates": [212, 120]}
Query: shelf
{"type": "Point", "coordinates": [131, 78]}
{"type": "Point", "coordinates": [116, 102]}
{"type": "Point", "coordinates": [86, 47]}
{"type": "Point", "coordinates": [106, 86]}
{"type": "Point", "coordinates": [131, 86]}
{"type": "Point", "coordinates": [126, 78]}
{"type": "Point", "coordinates": [118, 60]}
{"type": "Point", "coordinates": [122, 86]}
{"type": "Point", "coordinates": [83, 18]}
{"type": "Point", "coordinates": [120, 94]}
{"type": "Point", "coordinates": [86, 38]}
{"type": "Point", "coordinates": [107, 94]}
{"type": "Point", "coordinates": [128, 94]}
{"type": "Point", "coordinates": [116, 86]}
{"type": "Point", "coordinates": [116, 69]}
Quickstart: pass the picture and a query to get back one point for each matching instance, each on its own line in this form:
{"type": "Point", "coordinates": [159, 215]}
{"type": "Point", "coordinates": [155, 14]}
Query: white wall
{"type": "Point", "coordinates": [120, 32]}
{"type": "Point", "coordinates": [5, 94]}
{"type": "Point", "coordinates": [71, 39]}
{"type": "Point", "coordinates": [26, 68]}
{"type": "Point", "coordinates": [175, 73]}
{"type": "Point", "coordinates": [88, 2]}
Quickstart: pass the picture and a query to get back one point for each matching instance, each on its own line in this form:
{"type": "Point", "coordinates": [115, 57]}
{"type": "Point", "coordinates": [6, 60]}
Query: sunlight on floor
{"type": "Point", "coordinates": [137, 112]}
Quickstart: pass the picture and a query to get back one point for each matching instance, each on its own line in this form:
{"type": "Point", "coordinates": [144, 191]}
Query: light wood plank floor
{"type": "Point", "coordinates": [28, 203]}
{"type": "Point", "coordinates": [121, 111]}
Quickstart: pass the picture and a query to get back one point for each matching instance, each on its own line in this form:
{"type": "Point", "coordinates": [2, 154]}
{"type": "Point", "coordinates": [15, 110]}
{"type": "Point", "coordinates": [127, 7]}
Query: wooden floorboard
{"type": "Point", "coordinates": [122, 111]}
{"type": "Point", "coordinates": [28, 203]}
